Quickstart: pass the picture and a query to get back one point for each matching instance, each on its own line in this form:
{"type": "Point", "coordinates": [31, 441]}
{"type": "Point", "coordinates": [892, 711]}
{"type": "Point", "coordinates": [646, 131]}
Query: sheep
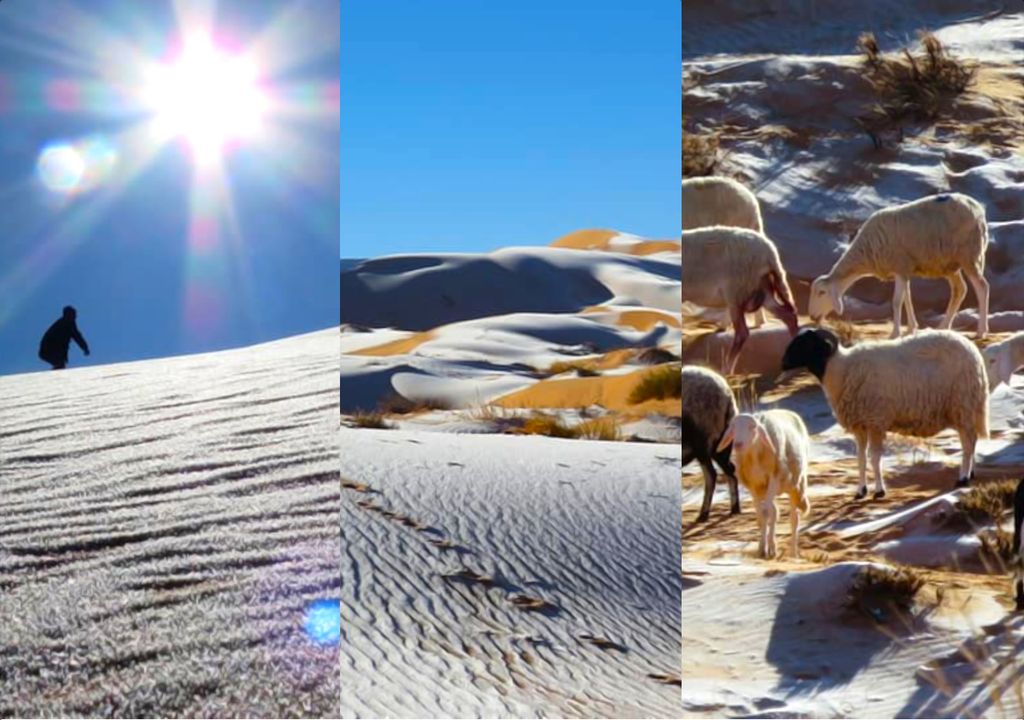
{"type": "Point", "coordinates": [1003, 358]}
{"type": "Point", "coordinates": [938, 236]}
{"type": "Point", "coordinates": [708, 406]}
{"type": "Point", "coordinates": [770, 450]}
{"type": "Point", "coordinates": [917, 385]}
{"type": "Point", "coordinates": [1018, 551]}
{"type": "Point", "coordinates": [738, 269]}
{"type": "Point", "coordinates": [714, 200]}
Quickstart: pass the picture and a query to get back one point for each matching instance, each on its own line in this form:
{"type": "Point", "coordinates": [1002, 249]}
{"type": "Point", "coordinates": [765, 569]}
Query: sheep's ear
{"type": "Point", "coordinates": [726, 440]}
{"type": "Point", "coordinates": [762, 435]}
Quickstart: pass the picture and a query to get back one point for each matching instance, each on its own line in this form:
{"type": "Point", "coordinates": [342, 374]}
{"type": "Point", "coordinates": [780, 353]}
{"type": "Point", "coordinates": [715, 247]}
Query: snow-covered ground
{"type": "Point", "coordinates": [498, 576]}
{"type": "Point", "coordinates": [169, 536]}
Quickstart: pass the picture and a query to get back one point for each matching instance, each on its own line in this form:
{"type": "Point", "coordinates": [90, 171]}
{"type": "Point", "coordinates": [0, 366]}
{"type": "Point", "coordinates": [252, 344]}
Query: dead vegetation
{"type": "Point", "coordinates": [582, 368]}
{"type": "Point", "coordinates": [910, 88]}
{"type": "Point", "coordinates": [372, 419]}
{"type": "Point", "coordinates": [663, 382]}
{"type": "Point", "coordinates": [395, 404]}
{"type": "Point", "coordinates": [539, 423]}
{"type": "Point", "coordinates": [983, 504]}
{"type": "Point", "coordinates": [879, 591]}
{"type": "Point", "coordinates": [700, 152]}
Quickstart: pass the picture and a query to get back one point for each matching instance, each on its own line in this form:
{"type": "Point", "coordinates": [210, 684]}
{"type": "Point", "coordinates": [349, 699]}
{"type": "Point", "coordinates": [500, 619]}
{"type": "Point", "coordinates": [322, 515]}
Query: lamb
{"type": "Point", "coordinates": [1018, 551]}
{"type": "Point", "coordinates": [939, 236]}
{"type": "Point", "coordinates": [1003, 358]}
{"type": "Point", "coordinates": [917, 385]}
{"type": "Point", "coordinates": [708, 406]}
{"type": "Point", "coordinates": [771, 449]}
{"type": "Point", "coordinates": [738, 269]}
{"type": "Point", "coordinates": [713, 200]}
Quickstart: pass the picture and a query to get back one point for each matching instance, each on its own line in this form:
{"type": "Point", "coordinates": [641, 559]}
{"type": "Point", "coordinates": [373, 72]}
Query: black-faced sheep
{"type": "Point", "coordinates": [935, 237]}
{"type": "Point", "coordinates": [917, 385]}
{"type": "Point", "coordinates": [770, 451]}
{"type": "Point", "coordinates": [708, 406]}
{"type": "Point", "coordinates": [737, 269]}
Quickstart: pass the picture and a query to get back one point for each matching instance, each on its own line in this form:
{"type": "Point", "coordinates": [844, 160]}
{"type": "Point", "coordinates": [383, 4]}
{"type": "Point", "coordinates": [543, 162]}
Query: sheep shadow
{"type": "Point", "coordinates": [802, 645]}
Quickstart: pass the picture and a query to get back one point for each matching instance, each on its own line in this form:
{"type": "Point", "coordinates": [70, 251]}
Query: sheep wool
{"type": "Point", "coordinates": [719, 201]}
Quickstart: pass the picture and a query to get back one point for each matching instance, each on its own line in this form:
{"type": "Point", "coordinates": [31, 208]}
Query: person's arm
{"type": "Point", "coordinates": [77, 337]}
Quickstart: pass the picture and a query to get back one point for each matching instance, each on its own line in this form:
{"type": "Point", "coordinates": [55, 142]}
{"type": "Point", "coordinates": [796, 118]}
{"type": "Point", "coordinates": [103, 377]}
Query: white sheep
{"type": "Point", "coordinates": [1003, 358]}
{"type": "Point", "coordinates": [918, 385]}
{"type": "Point", "coordinates": [936, 237]}
{"type": "Point", "coordinates": [737, 269]}
{"type": "Point", "coordinates": [707, 406]}
{"type": "Point", "coordinates": [716, 200]}
{"type": "Point", "coordinates": [770, 451]}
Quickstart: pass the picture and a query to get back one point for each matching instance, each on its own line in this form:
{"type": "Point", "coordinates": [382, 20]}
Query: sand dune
{"type": "Point", "coordinates": [509, 577]}
{"type": "Point", "coordinates": [168, 536]}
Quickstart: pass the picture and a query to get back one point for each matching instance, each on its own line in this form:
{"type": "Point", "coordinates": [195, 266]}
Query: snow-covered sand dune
{"type": "Point", "coordinates": [169, 536]}
{"type": "Point", "coordinates": [498, 576]}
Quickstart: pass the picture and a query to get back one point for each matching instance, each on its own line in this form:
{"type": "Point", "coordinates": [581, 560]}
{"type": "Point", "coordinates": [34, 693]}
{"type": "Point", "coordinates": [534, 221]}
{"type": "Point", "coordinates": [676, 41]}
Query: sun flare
{"type": "Point", "coordinates": [207, 96]}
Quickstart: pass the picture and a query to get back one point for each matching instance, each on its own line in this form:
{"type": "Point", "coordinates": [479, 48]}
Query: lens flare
{"type": "Point", "coordinates": [323, 622]}
{"type": "Point", "coordinates": [71, 168]}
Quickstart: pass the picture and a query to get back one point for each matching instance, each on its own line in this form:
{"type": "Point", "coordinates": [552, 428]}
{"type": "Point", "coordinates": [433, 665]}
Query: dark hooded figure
{"type": "Point", "coordinates": [53, 348]}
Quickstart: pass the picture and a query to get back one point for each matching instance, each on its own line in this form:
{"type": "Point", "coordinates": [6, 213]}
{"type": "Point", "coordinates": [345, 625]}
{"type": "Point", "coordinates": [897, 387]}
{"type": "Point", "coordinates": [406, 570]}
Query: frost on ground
{"type": "Point", "coordinates": [169, 537]}
{"type": "Point", "coordinates": [498, 576]}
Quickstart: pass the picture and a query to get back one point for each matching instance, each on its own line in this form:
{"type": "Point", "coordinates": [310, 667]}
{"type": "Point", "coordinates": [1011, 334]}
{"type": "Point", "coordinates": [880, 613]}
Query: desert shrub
{"type": "Point", "coordinates": [395, 404]}
{"type": "Point", "coordinates": [655, 356]}
{"type": "Point", "coordinates": [583, 368]}
{"type": "Point", "coordinates": [983, 503]}
{"type": "Point", "coordinates": [911, 87]}
{"type": "Point", "coordinates": [370, 419]}
{"type": "Point", "coordinates": [604, 428]}
{"type": "Point", "coordinates": [660, 383]}
{"type": "Point", "coordinates": [878, 590]}
{"type": "Point", "coordinates": [700, 153]}
{"type": "Point", "coordinates": [997, 545]}
{"type": "Point", "coordinates": [549, 425]}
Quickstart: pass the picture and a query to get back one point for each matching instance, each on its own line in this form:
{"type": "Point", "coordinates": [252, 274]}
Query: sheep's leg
{"type": "Point", "coordinates": [794, 526]}
{"type": "Point", "coordinates": [908, 306]}
{"type": "Point", "coordinates": [977, 277]}
{"type": "Point", "coordinates": [897, 306]}
{"type": "Point", "coordinates": [727, 467]}
{"type": "Point", "coordinates": [759, 317]}
{"type": "Point", "coordinates": [771, 516]}
{"type": "Point", "coordinates": [876, 439]}
{"type": "Point", "coordinates": [957, 293]}
{"type": "Point", "coordinates": [710, 479]}
{"type": "Point", "coordinates": [968, 440]}
{"type": "Point", "coordinates": [862, 465]}
{"type": "Point", "coordinates": [740, 334]}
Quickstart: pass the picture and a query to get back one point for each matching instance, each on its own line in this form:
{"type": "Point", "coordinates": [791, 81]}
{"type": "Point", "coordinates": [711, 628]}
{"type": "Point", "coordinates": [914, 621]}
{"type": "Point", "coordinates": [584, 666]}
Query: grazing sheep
{"type": "Point", "coordinates": [1018, 551]}
{"type": "Point", "coordinates": [917, 385]}
{"type": "Point", "coordinates": [738, 269]}
{"type": "Point", "coordinates": [939, 236]}
{"type": "Point", "coordinates": [1003, 358]}
{"type": "Point", "coordinates": [771, 450]}
{"type": "Point", "coordinates": [708, 406]}
{"type": "Point", "coordinates": [713, 200]}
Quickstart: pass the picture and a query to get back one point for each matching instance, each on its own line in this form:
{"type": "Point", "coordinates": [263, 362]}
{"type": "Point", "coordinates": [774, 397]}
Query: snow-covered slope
{"type": "Point", "coordinates": [498, 576]}
{"type": "Point", "coordinates": [169, 536]}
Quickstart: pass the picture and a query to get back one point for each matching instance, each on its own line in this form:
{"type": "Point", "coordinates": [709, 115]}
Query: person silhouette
{"type": "Point", "coordinates": [53, 348]}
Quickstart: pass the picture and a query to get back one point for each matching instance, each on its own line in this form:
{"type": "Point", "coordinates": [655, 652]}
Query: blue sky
{"type": "Point", "coordinates": [159, 256]}
{"type": "Point", "coordinates": [470, 125]}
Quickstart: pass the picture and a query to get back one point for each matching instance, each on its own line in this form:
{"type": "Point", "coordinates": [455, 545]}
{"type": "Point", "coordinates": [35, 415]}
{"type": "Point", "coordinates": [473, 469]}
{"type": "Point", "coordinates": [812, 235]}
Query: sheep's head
{"type": "Point", "coordinates": [998, 364]}
{"type": "Point", "coordinates": [812, 348]}
{"type": "Point", "coordinates": [825, 298]}
{"type": "Point", "coordinates": [745, 431]}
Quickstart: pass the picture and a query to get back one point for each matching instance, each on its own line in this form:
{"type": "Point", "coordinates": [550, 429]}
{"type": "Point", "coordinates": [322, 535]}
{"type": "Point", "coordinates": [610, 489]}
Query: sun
{"type": "Point", "coordinates": [207, 96]}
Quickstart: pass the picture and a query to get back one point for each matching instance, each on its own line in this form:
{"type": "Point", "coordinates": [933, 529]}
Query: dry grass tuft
{"type": "Point", "coordinates": [997, 545]}
{"type": "Point", "coordinates": [395, 404]}
{"type": "Point", "coordinates": [911, 87]}
{"type": "Point", "coordinates": [877, 591]}
{"type": "Point", "coordinates": [655, 356]}
{"type": "Point", "coordinates": [549, 425]}
{"type": "Point", "coordinates": [604, 428]}
{"type": "Point", "coordinates": [370, 419]}
{"type": "Point", "coordinates": [660, 383]}
{"type": "Point", "coordinates": [700, 153]}
{"type": "Point", "coordinates": [983, 503]}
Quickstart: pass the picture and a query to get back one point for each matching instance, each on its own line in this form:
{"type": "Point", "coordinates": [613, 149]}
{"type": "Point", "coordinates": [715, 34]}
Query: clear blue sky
{"type": "Point", "coordinates": [157, 261]}
{"type": "Point", "coordinates": [468, 125]}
